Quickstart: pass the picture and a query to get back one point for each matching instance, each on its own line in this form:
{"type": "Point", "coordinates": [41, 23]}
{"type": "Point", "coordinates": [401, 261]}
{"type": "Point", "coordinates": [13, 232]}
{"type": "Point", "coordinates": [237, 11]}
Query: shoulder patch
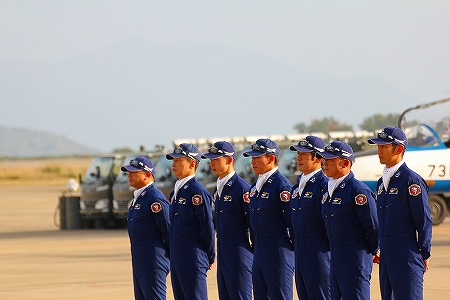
{"type": "Point", "coordinates": [285, 196]}
{"type": "Point", "coordinates": [197, 199]}
{"type": "Point", "coordinates": [414, 190]}
{"type": "Point", "coordinates": [361, 199]}
{"type": "Point", "coordinates": [156, 207]}
{"type": "Point", "coordinates": [246, 197]}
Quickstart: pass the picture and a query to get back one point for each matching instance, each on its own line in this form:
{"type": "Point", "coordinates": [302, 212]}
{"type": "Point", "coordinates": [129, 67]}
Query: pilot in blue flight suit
{"type": "Point", "coordinates": [404, 218]}
{"type": "Point", "coordinates": [270, 220]}
{"type": "Point", "coordinates": [192, 251]}
{"type": "Point", "coordinates": [148, 229]}
{"type": "Point", "coordinates": [311, 244]}
{"type": "Point", "coordinates": [231, 200]}
{"type": "Point", "coordinates": [349, 212]}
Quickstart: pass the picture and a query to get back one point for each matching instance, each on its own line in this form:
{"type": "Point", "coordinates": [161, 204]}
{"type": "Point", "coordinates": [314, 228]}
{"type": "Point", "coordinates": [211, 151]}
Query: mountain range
{"type": "Point", "coordinates": [23, 142]}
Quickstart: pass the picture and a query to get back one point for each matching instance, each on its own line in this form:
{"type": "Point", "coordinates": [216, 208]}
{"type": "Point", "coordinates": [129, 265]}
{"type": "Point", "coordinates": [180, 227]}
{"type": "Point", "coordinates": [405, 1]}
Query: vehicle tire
{"type": "Point", "coordinates": [438, 208]}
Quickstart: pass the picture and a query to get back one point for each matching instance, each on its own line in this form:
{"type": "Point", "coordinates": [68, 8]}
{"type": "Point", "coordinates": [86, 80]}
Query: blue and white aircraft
{"type": "Point", "coordinates": [427, 127]}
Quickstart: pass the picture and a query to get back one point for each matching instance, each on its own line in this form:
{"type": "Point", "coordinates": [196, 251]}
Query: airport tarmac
{"type": "Point", "coordinates": [39, 261]}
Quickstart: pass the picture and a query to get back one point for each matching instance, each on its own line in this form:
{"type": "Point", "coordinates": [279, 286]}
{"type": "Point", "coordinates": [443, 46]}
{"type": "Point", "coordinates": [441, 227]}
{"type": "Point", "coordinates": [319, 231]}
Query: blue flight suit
{"type": "Point", "coordinates": [192, 241]}
{"type": "Point", "coordinates": [311, 244]}
{"type": "Point", "coordinates": [352, 226]}
{"type": "Point", "coordinates": [234, 253]}
{"type": "Point", "coordinates": [148, 229]}
{"type": "Point", "coordinates": [405, 234]}
{"type": "Point", "coordinates": [270, 218]}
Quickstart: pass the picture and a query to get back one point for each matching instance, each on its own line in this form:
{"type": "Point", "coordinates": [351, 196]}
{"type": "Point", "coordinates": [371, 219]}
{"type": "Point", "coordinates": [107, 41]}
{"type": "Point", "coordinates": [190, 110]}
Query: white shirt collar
{"type": "Point", "coordinates": [388, 172]}
{"type": "Point", "coordinates": [333, 183]}
{"type": "Point", "coordinates": [263, 177]}
{"type": "Point", "coordinates": [221, 182]}
{"type": "Point", "coordinates": [137, 192]}
{"type": "Point", "coordinates": [304, 178]}
{"type": "Point", "coordinates": [179, 183]}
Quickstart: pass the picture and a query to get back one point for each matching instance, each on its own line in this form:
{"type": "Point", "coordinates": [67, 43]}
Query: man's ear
{"type": "Point", "coordinates": [400, 149]}
{"type": "Point", "coordinates": [346, 162]}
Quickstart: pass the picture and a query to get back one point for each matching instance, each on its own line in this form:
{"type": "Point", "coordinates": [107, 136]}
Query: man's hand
{"type": "Point", "coordinates": [425, 262]}
{"type": "Point", "coordinates": [376, 258]}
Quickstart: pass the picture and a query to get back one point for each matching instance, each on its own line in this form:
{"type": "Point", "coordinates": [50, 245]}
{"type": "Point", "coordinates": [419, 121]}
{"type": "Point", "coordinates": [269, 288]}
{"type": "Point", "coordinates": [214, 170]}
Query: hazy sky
{"type": "Point", "coordinates": [404, 44]}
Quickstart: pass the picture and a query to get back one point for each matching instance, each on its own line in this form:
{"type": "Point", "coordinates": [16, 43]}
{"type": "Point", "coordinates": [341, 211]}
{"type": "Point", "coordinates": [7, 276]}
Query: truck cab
{"type": "Point", "coordinates": [96, 207]}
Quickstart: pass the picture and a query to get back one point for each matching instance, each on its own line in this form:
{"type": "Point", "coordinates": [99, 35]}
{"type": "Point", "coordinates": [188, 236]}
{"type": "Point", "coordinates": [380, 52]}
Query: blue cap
{"type": "Point", "coordinates": [310, 143]}
{"type": "Point", "coordinates": [390, 135]}
{"type": "Point", "coordinates": [140, 163]}
{"type": "Point", "coordinates": [337, 149]}
{"type": "Point", "coordinates": [187, 150]}
{"type": "Point", "coordinates": [220, 149]}
{"type": "Point", "coordinates": [263, 146]}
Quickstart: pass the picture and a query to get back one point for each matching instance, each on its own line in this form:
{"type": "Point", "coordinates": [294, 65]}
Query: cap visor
{"type": "Point", "coordinates": [174, 155]}
{"type": "Point", "coordinates": [379, 141]}
{"type": "Point", "coordinates": [211, 155]}
{"type": "Point", "coordinates": [252, 153]}
{"type": "Point", "coordinates": [327, 155]}
{"type": "Point", "coordinates": [300, 149]}
{"type": "Point", "coordinates": [129, 168]}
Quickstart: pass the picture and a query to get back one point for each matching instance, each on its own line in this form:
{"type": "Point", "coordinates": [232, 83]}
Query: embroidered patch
{"type": "Point", "coordinates": [253, 191]}
{"type": "Point", "coordinates": [246, 198]}
{"type": "Point", "coordinates": [295, 193]}
{"type": "Point", "coordinates": [380, 189]}
{"type": "Point", "coordinates": [324, 197]}
{"type": "Point", "coordinates": [285, 196]}
{"type": "Point", "coordinates": [227, 198]}
{"type": "Point", "coordinates": [156, 207]}
{"type": "Point", "coordinates": [393, 191]}
{"type": "Point", "coordinates": [361, 199]}
{"type": "Point", "coordinates": [197, 199]}
{"type": "Point", "coordinates": [265, 195]}
{"type": "Point", "coordinates": [308, 195]}
{"type": "Point", "coordinates": [182, 201]}
{"type": "Point", "coordinates": [414, 189]}
{"type": "Point", "coordinates": [337, 201]}
{"type": "Point", "coordinates": [137, 206]}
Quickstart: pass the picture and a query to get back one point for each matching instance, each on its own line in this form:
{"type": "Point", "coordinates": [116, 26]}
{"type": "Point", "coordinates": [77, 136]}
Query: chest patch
{"type": "Point", "coordinates": [361, 199]}
{"type": "Point", "coordinates": [295, 193]}
{"type": "Point", "coordinates": [156, 207]}
{"type": "Point", "coordinates": [246, 197]}
{"type": "Point", "coordinates": [308, 195]}
{"type": "Point", "coordinates": [197, 199]}
{"type": "Point", "coordinates": [137, 206]}
{"type": "Point", "coordinates": [182, 201]}
{"type": "Point", "coordinates": [336, 201]}
{"type": "Point", "coordinates": [393, 191]}
{"type": "Point", "coordinates": [285, 196]}
{"type": "Point", "coordinates": [227, 198]}
{"type": "Point", "coordinates": [414, 190]}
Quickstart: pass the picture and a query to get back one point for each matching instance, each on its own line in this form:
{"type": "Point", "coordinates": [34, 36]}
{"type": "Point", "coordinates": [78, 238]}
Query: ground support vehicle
{"type": "Point", "coordinates": [96, 191]}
